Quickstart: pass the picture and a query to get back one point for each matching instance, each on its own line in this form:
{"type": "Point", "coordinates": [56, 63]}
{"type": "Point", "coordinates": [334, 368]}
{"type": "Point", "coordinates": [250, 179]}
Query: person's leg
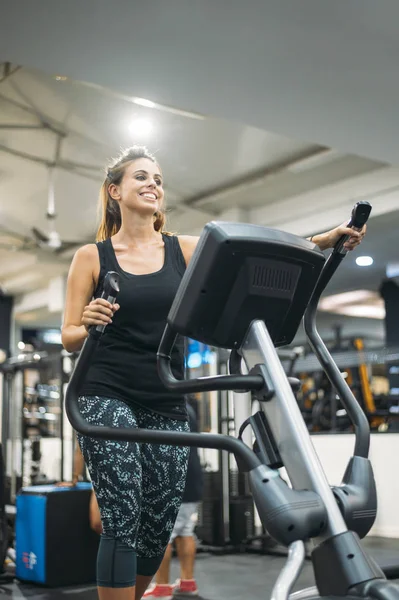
{"type": "Point", "coordinates": [162, 575]}
{"type": "Point", "coordinates": [94, 515]}
{"type": "Point", "coordinates": [162, 587]}
{"type": "Point", "coordinates": [186, 550]}
{"type": "Point", "coordinates": [163, 482]}
{"type": "Point", "coordinates": [115, 470]}
{"type": "Point", "coordinates": [142, 583]}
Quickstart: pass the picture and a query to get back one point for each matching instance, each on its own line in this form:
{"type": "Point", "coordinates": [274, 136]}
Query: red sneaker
{"type": "Point", "coordinates": [185, 587]}
{"type": "Point", "coordinates": [156, 590]}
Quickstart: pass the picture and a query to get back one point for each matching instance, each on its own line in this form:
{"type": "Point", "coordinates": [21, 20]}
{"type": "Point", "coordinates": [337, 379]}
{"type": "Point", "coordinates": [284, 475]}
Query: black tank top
{"type": "Point", "coordinates": [125, 364]}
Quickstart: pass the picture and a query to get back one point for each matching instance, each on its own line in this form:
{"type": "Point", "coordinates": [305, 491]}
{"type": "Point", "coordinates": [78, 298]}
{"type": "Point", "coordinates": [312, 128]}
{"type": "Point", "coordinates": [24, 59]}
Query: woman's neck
{"type": "Point", "coordinates": [137, 232]}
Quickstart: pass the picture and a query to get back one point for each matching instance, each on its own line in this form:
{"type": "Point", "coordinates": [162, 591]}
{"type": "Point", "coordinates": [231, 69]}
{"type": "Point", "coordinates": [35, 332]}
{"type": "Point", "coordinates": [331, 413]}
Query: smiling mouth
{"type": "Point", "coordinates": [149, 196]}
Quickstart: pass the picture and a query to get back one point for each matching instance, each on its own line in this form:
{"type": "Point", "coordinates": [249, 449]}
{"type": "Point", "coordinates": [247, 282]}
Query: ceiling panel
{"type": "Point", "coordinates": [197, 155]}
{"type": "Point", "coordinates": [321, 71]}
{"type": "Point", "coordinates": [287, 183]}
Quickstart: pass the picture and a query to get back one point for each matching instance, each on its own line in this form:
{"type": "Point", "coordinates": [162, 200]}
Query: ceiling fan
{"type": "Point", "coordinates": [48, 240]}
{"type": "Point", "coordinates": [51, 240]}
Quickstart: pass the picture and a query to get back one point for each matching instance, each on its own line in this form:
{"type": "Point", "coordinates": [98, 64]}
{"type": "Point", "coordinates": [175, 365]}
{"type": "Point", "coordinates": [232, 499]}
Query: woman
{"type": "Point", "coordinates": [139, 487]}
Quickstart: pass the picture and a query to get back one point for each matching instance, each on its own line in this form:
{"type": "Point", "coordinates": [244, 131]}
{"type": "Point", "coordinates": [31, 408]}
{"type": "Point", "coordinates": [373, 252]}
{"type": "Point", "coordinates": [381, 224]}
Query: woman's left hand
{"type": "Point", "coordinates": [330, 238]}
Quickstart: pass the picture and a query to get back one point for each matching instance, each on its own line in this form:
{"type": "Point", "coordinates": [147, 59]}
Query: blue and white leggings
{"type": "Point", "coordinates": [139, 489]}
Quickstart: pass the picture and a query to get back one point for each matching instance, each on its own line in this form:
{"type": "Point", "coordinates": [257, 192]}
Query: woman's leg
{"type": "Point", "coordinates": [115, 470]}
{"type": "Point", "coordinates": [163, 481]}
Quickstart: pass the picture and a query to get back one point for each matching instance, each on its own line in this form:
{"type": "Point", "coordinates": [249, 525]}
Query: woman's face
{"type": "Point", "coordinates": [141, 188]}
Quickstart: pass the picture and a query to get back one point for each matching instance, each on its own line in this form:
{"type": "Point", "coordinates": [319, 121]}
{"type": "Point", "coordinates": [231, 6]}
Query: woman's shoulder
{"type": "Point", "coordinates": [87, 252]}
{"type": "Point", "coordinates": [87, 261]}
{"type": "Point", "coordinates": [188, 244]}
{"type": "Point", "coordinates": [87, 258]}
{"type": "Point", "coordinates": [188, 241]}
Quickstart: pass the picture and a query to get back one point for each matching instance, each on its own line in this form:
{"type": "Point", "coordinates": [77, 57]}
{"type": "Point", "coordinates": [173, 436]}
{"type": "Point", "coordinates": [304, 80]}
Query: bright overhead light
{"type": "Point", "coordinates": [148, 103]}
{"type": "Point", "coordinates": [54, 240]}
{"type": "Point", "coordinates": [141, 127]}
{"type": "Point", "coordinates": [364, 261]}
{"type": "Point", "coordinates": [347, 298]}
{"type": "Point", "coordinates": [359, 303]}
{"type": "Point", "coordinates": [144, 102]}
{"type": "Point", "coordinates": [392, 270]}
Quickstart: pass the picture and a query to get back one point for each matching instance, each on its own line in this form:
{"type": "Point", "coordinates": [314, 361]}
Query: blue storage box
{"type": "Point", "coordinates": [54, 542]}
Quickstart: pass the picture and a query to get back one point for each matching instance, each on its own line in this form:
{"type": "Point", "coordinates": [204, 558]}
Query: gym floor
{"type": "Point", "coordinates": [227, 577]}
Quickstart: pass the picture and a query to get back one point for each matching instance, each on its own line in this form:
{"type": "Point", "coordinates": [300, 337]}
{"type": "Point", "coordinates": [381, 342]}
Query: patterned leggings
{"type": "Point", "coordinates": [139, 487]}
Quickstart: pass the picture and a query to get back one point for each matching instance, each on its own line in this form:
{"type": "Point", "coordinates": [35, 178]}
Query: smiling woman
{"type": "Point", "coordinates": [139, 490]}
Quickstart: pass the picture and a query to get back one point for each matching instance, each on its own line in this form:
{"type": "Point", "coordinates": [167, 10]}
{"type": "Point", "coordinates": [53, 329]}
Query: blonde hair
{"type": "Point", "coordinates": [111, 218]}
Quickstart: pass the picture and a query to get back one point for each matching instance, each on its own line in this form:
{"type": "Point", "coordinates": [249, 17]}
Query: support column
{"type": "Point", "coordinates": [389, 291]}
{"type": "Point", "coordinates": [6, 303]}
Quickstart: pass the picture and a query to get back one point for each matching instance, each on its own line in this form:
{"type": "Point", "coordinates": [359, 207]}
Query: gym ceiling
{"type": "Point", "coordinates": [282, 112]}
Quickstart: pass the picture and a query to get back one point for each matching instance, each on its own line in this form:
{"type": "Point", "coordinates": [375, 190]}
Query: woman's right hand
{"type": "Point", "coordinates": [98, 312]}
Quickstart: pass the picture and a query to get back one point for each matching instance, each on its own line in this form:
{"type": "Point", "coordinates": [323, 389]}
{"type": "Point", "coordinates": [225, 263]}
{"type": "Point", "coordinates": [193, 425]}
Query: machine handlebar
{"type": "Point", "coordinates": [360, 214]}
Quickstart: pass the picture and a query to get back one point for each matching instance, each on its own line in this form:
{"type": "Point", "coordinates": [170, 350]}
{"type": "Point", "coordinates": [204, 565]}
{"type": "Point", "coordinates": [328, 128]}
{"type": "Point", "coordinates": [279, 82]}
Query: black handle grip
{"type": "Point", "coordinates": [110, 292]}
{"type": "Point", "coordinates": [111, 286]}
{"type": "Point", "coordinates": [360, 214]}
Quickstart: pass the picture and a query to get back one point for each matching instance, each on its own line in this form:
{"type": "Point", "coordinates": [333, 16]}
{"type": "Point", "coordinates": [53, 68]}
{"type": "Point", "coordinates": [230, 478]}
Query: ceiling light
{"type": "Point", "coordinates": [144, 102]}
{"type": "Point", "coordinates": [135, 100]}
{"type": "Point", "coordinates": [364, 261]}
{"type": "Point", "coordinates": [367, 312]}
{"type": "Point", "coordinates": [347, 298]}
{"type": "Point", "coordinates": [392, 270]}
{"type": "Point", "coordinates": [54, 240]}
{"type": "Point", "coordinates": [360, 303]}
{"type": "Point", "coordinates": [141, 127]}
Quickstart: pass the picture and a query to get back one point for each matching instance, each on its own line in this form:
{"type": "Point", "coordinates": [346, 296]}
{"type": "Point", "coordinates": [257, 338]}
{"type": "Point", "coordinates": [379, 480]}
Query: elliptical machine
{"type": "Point", "coordinates": [247, 288]}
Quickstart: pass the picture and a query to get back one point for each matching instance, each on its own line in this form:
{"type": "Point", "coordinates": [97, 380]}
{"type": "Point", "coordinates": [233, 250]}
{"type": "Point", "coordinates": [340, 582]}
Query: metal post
{"type": "Point", "coordinates": [288, 427]}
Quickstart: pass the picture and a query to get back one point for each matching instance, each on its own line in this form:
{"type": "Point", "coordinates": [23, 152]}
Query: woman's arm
{"type": "Point", "coordinates": [81, 312]}
{"type": "Point", "coordinates": [330, 238]}
{"type": "Point", "coordinates": [82, 277]}
{"type": "Point", "coordinates": [77, 469]}
{"type": "Point", "coordinates": [78, 465]}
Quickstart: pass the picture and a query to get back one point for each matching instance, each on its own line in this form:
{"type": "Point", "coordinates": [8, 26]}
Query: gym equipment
{"type": "Point", "coordinates": [247, 288]}
{"type": "Point", "coordinates": [32, 419]}
{"type": "Point", "coordinates": [319, 403]}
